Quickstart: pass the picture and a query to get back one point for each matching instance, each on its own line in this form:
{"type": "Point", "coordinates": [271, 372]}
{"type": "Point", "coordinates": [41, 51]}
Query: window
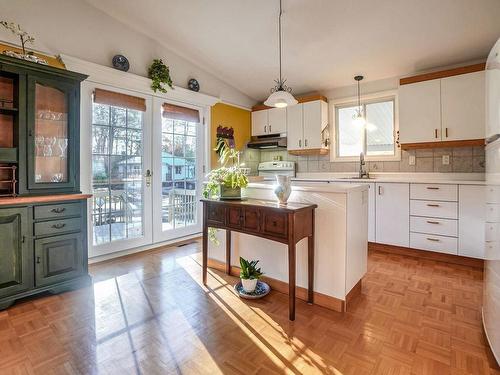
{"type": "Point", "coordinates": [376, 139]}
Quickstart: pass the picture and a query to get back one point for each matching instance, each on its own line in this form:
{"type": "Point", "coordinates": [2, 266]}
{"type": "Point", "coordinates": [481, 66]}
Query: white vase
{"type": "Point", "coordinates": [249, 285]}
{"type": "Point", "coordinates": [284, 188]}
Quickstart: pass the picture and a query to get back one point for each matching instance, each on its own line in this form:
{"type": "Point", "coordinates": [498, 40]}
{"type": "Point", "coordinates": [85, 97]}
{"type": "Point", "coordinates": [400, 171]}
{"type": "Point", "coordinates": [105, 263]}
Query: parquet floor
{"type": "Point", "coordinates": [149, 314]}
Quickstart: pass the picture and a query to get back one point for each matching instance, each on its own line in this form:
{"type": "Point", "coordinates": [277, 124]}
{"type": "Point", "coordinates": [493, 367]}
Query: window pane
{"type": "Point", "coordinates": [350, 139]}
{"type": "Point", "coordinates": [380, 128]}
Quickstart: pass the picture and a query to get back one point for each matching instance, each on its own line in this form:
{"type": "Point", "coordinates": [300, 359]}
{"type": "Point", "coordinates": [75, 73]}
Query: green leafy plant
{"type": "Point", "coordinates": [249, 270]}
{"type": "Point", "coordinates": [21, 34]}
{"type": "Point", "coordinates": [159, 74]}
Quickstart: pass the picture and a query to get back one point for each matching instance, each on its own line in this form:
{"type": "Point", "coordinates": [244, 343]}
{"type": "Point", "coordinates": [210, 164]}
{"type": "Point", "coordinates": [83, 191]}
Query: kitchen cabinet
{"type": "Point", "coordinates": [420, 112]}
{"type": "Point", "coordinates": [472, 219]}
{"type": "Point", "coordinates": [269, 121]}
{"type": "Point", "coordinates": [463, 107]}
{"type": "Point", "coordinates": [392, 213]}
{"type": "Point", "coordinates": [445, 109]}
{"type": "Point", "coordinates": [16, 257]}
{"type": "Point", "coordinates": [306, 125]}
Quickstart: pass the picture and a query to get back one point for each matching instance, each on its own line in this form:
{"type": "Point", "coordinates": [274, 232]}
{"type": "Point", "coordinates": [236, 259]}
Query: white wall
{"type": "Point", "coordinates": [76, 28]}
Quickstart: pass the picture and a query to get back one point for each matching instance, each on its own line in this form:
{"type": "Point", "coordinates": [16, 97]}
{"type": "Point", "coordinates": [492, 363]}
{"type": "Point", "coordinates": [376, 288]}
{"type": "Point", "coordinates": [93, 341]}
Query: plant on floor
{"type": "Point", "coordinates": [159, 74]}
{"type": "Point", "coordinates": [249, 274]}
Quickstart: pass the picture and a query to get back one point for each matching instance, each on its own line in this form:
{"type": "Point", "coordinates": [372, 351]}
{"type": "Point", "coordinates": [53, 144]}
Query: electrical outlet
{"type": "Point", "coordinates": [446, 160]}
{"type": "Point", "coordinates": [411, 160]}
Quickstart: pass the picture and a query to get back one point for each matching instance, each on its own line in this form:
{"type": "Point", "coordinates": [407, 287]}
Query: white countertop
{"type": "Point", "coordinates": [423, 178]}
{"type": "Point", "coordinates": [310, 185]}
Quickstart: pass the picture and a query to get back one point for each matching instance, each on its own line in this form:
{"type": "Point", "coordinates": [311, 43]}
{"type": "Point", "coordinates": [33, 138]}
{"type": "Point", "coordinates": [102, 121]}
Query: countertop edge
{"type": "Point", "coordinates": [42, 199]}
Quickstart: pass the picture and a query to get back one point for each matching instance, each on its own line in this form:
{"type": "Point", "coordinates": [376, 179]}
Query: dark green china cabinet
{"type": "Point", "coordinates": [43, 215]}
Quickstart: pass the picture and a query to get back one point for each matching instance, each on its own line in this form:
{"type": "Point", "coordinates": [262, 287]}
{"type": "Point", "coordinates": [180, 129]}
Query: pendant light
{"type": "Point", "coordinates": [280, 94]}
{"type": "Point", "coordinates": [358, 118]}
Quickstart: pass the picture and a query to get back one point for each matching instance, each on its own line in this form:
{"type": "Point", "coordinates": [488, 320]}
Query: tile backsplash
{"type": "Point", "coordinates": [461, 160]}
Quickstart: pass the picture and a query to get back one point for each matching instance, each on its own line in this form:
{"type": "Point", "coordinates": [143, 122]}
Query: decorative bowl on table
{"type": "Point", "coordinates": [262, 289]}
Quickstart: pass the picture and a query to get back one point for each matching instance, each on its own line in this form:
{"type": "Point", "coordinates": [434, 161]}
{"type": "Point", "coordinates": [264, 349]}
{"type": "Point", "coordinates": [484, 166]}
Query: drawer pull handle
{"type": "Point", "coordinates": [58, 225]}
{"type": "Point", "coordinates": [58, 210]}
{"type": "Point", "coordinates": [38, 260]}
{"type": "Point", "coordinates": [432, 239]}
{"type": "Point", "coordinates": [433, 222]}
{"type": "Point", "coordinates": [432, 205]}
{"type": "Point", "coordinates": [432, 188]}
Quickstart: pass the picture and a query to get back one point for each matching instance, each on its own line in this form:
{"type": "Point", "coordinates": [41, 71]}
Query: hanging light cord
{"type": "Point", "coordinates": [359, 102]}
{"type": "Point", "coordinates": [279, 38]}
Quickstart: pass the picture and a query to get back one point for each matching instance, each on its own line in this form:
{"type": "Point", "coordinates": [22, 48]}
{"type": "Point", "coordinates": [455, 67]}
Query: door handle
{"type": "Point", "coordinates": [435, 133]}
{"type": "Point", "coordinates": [300, 142]}
{"type": "Point", "coordinates": [446, 132]}
{"type": "Point", "coordinates": [265, 128]}
{"type": "Point", "coordinates": [38, 260]}
{"type": "Point", "coordinates": [148, 176]}
{"type": "Point", "coordinates": [269, 128]}
{"type": "Point", "coordinates": [380, 190]}
{"type": "Point", "coordinates": [305, 143]}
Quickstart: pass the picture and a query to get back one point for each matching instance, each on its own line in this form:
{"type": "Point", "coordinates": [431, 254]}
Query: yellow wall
{"type": "Point", "coordinates": [229, 116]}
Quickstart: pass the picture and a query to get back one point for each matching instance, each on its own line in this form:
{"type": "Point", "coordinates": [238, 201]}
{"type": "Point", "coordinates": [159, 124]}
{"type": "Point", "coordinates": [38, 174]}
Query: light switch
{"type": "Point", "coordinates": [411, 160]}
{"type": "Point", "coordinates": [446, 160]}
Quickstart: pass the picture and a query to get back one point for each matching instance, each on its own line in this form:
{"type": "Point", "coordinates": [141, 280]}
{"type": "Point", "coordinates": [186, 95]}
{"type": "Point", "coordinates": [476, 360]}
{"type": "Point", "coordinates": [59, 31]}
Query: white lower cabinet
{"type": "Point", "coordinates": [472, 219]}
{"type": "Point", "coordinates": [392, 213]}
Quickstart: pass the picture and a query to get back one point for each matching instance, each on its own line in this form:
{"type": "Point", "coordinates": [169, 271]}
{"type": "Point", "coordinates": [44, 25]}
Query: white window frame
{"type": "Point", "coordinates": [365, 99]}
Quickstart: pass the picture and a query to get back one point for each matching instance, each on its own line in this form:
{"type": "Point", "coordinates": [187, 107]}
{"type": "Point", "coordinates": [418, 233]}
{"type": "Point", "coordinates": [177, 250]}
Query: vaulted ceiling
{"type": "Point", "coordinates": [326, 42]}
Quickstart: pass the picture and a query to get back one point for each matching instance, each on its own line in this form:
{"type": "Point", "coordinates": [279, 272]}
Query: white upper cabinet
{"type": "Point", "coordinates": [259, 122]}
{"type": "Point", "coordinates": [305, 125]}
{"type": "Point", "coordinates": [446, 109]}
{"type": "Point", "coordinates": [295, 132]}
{"type": "Point", "coordinates": [392, 214]}
{"type": "Point", "coordinates": [276, 120]}
{"type": "Point", "coordinates": [463, 107]}
{"type": "Point", "coordinates": [269, 121]}
{"type": "Point", "coordinates": [420, 112]}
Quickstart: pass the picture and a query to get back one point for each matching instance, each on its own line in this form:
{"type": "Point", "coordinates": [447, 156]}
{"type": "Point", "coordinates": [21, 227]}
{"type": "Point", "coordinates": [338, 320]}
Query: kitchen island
{"type": "Point", "coordinates": [340, 243]}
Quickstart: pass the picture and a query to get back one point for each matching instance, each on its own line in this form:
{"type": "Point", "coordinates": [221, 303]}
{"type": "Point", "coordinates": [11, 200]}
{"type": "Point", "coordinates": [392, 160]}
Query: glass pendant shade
{"type": "Point", "coordinates": [280, 99]}
{"type": "Point", "coordinates": [358, 120]}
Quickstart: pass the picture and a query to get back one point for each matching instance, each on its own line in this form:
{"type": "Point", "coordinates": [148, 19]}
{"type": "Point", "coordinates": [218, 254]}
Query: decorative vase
{"type": "Point", "coordinates": [249, 285]}
{"type": "Point", "coordinates": [230, 193]}
{"type": "Point", "coordinates": [284, 188]}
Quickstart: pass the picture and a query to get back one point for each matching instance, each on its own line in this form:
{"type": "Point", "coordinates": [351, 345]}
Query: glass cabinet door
{"type": "Point", "coordinates": [51, 134]}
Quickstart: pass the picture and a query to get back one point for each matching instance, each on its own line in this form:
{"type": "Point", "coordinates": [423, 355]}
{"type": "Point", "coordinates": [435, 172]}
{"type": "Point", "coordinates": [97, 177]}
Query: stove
{"type": "Point", "coordinates": [273, 168]}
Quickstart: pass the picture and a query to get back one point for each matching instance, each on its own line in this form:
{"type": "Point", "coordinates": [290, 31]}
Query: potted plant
{"type": "Point", "coordinates": [249, 274]}
{"type": "Point", "coordinates": [160, 75]}
{"type": "Point", "coordinates": [226, 182]}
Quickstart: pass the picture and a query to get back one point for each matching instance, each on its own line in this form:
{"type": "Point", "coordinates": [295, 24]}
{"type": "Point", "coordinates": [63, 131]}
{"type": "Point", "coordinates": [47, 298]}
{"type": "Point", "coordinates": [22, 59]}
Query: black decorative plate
{"type": "Point", "coordinates": [193, 85]}
{"type": "Point", "coordinates": [120, 62]}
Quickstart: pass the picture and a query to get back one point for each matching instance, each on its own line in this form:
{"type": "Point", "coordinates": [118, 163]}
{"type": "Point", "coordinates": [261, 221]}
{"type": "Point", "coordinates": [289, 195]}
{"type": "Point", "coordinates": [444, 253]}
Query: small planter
{"type": "Point", "coordinates": [230, 193]}
{"type": "Point", "coordinates": [249, 285]}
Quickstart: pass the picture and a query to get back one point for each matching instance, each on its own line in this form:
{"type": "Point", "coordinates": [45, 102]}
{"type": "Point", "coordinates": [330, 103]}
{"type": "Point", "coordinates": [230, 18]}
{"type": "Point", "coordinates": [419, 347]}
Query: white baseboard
{"type": "Point", "coordinates": [118, 254]}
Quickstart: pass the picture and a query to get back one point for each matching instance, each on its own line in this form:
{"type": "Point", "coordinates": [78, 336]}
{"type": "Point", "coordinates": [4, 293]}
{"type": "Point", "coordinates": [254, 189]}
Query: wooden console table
{"type": "Point", "coordinates": [285, 224]}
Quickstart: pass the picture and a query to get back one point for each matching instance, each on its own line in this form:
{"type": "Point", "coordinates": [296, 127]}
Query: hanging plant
{"type": "Point", "coordinates": [160, 75]}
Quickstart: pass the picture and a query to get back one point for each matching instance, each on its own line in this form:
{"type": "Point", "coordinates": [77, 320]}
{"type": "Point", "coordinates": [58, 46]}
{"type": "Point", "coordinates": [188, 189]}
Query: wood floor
{"type": "Point", "coordinates": [149, 314]}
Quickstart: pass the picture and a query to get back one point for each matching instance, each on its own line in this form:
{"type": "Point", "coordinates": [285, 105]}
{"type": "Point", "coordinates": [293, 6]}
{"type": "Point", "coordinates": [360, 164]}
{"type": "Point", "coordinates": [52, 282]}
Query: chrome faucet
{"type": "Point", "coordinates": [362, 171]}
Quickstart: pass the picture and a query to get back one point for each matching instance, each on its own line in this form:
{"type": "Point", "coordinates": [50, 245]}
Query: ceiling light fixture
{"type": "Point", "coordinates": [280, 94]}
{"type": "Point", "coordinates": [358, 118]}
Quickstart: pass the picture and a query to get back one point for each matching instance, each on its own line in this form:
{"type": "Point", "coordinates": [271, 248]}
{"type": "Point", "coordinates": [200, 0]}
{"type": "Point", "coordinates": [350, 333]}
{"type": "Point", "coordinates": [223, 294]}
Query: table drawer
{"type": "Point", "coordinates": [445, 210]}
{"type": "Point", "coordinates": [216, 213]}
{"type": "Point", "coordinates": [492, 213]}
{"type": "Point", "coordinates": [431, 242]}
{"type": "Point", "coordinates": [435, 192]}
{"type": "Point", "coordinates": [57, 210]}
{"type": "Point", "coordinates": [275, 224]}
{"type": "Point", "coordinates": [46, 228]}
{"type": "Point", "coordinates": [444, 227]}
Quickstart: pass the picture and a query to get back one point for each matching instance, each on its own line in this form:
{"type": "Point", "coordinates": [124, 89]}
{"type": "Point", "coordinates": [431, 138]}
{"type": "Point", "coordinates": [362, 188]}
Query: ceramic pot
{"type": "Point", "coordinates": [249, 285]}
{"type": "Point", "coordinates": [284, 188]}
{"type": "Point", "coordinates": [230, 193]}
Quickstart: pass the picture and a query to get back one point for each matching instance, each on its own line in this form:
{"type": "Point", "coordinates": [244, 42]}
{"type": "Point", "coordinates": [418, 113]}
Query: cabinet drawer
{"type": "Point", "coordinates": [492, 231]}
{"type": "Point", "coordinates": [492, 250]}
{"type": "Point", "coordinates": [234, 217]}
{"type": "Point", "coordinates": [445, 210]}
{"type": "Point", "coordinates": [275, 224]}
{"type": "Point", "coordinates": [435, 192]}
{"type": "Point", "coordinates": [57, 210]}
{"type": "Point", "coordinates": [444, 227]}
{"type": "Point", "coordinates": [46, 228]}
{"type": "Point", "coordinates": [216, 213]}
{"type": "Point", "coordinates": [251, 219]}
{"type": "Point", "coordinates": [492, 213]}
{"type": "Point", "coordinates": [431, 242]}
{"type": "Point", "coordinates": [492, 194]}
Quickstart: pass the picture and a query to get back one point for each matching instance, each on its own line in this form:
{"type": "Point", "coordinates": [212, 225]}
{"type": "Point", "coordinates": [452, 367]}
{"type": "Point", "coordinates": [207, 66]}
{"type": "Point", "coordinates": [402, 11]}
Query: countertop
{"type": "Point", "coordinates": [304, 185]}
{"type": "Point", "coordinates": [422, 178]}
{"type": "Point", "coordinates": [8, 201]}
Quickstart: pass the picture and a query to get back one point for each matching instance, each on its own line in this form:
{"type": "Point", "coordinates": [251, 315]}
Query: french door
{"type": "Point", "coordinates": [145, 169]}
{"type": "Point", "coordinates": [178, 154]}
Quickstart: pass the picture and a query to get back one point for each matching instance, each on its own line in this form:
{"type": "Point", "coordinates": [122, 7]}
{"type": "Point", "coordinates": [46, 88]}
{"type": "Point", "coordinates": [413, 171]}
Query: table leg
{"type": "Point", "coordinates": [310, 270]}
{"type": "Point", "coordinates": [228, 251]}
{"type": "Point", "coordinates": [205, 245]}
{"type": "Point", "coordinates": [291, 281]}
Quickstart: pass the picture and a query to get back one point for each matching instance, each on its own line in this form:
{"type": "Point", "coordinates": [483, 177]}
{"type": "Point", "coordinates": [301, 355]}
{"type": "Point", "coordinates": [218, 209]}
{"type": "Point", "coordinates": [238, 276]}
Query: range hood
{"type": "Point", "coordinates": [268, 141]}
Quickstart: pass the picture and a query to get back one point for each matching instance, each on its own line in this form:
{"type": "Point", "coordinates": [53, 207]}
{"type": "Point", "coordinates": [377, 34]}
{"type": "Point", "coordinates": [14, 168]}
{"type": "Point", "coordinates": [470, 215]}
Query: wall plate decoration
{"type": "Point", "coordinates": [193, 85]}
{"type": "Point", "coordinates": [120, 62]}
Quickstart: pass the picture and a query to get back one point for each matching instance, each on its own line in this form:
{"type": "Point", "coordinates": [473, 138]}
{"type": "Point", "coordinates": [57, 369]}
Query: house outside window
{"type": "Point", "coordinates": [377, 139]}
